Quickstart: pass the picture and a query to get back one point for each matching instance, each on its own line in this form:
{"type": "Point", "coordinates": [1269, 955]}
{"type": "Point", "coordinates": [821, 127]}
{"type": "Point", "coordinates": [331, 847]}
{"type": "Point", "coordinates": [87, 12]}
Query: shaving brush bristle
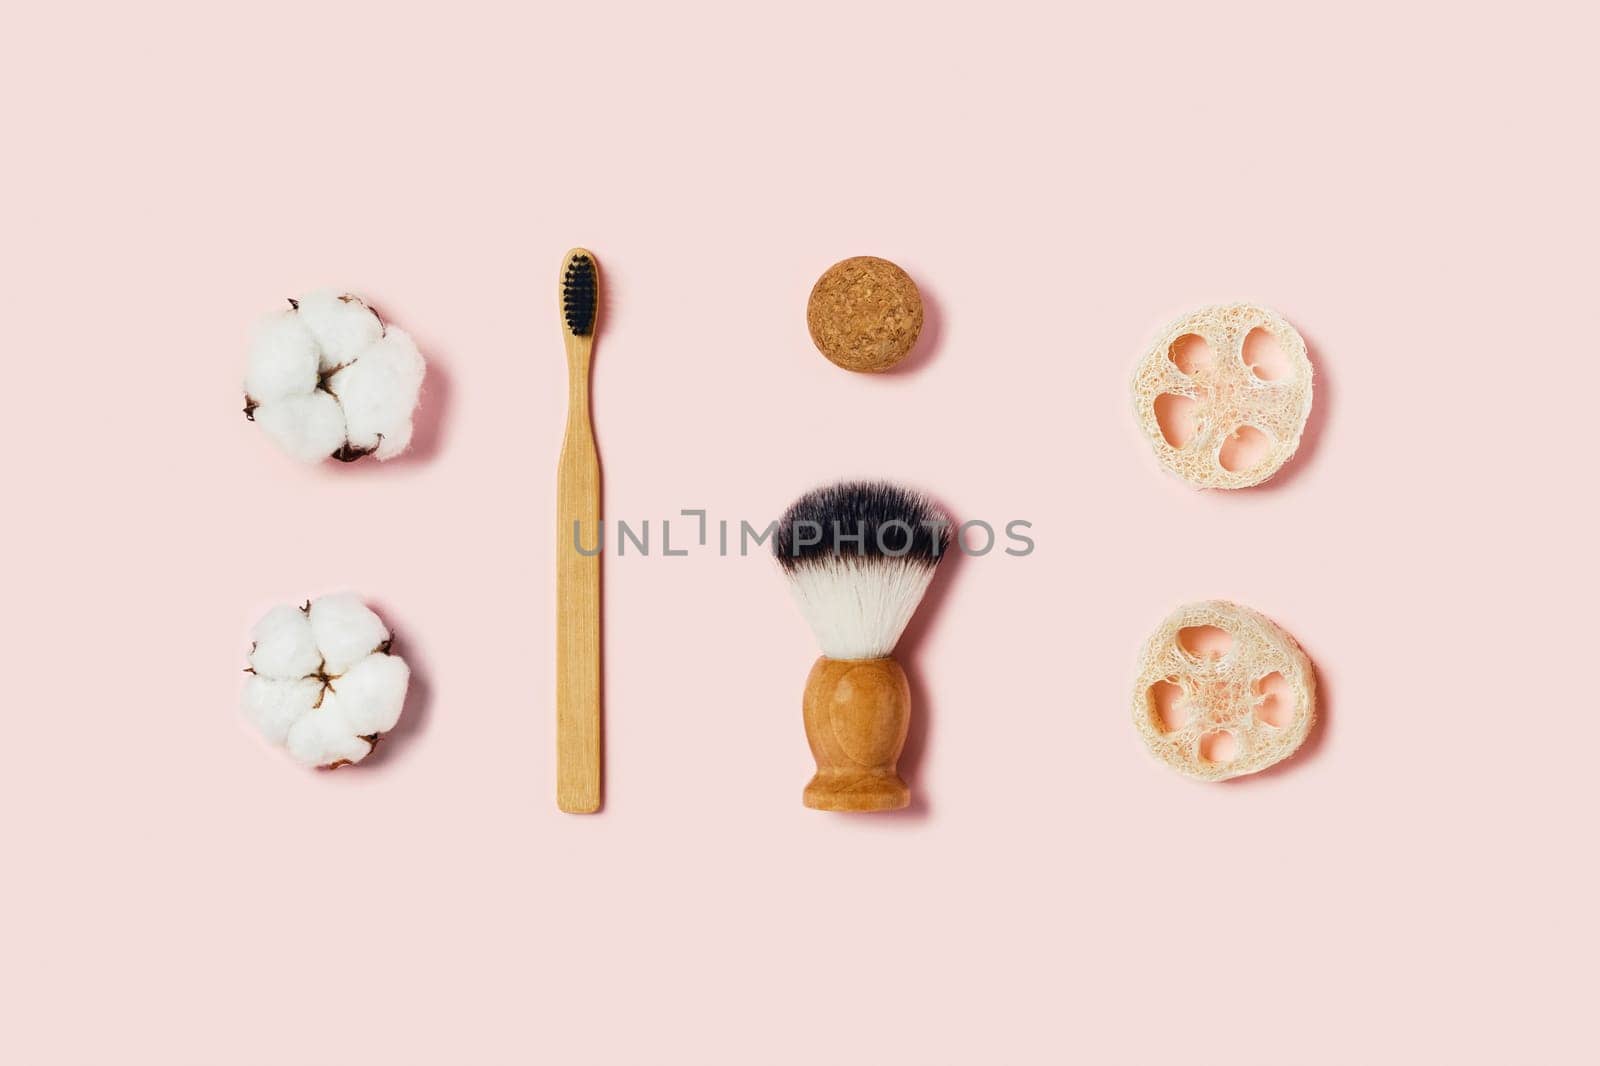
{"type": "Point", "coordinates": [859, 555]}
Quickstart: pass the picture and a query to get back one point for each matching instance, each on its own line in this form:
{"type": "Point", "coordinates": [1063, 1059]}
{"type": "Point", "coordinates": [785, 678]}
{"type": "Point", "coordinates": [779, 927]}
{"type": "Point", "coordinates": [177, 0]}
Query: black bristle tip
{"type": "Point", "coordinates": [578, 292]}
{"type": "Point", "coordinates": [861, 519]}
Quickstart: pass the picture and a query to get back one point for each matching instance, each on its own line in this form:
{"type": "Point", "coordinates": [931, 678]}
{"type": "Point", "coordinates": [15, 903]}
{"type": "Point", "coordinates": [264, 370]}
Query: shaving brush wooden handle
{"type": "Point", "coordinates": [856, 714]}
{"type": "Point", "coordinates": [858, 589]}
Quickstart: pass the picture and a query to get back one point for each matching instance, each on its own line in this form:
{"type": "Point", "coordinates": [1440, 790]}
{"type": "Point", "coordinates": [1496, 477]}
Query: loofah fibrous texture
{"type": "Point", "coordinates": [323, 684]}
{"type": "Point", "coordinates": [1227, 394]}
{"type": "Point", "coordinates": [1223, 693]}
{"type": "Point", "coordinates": [328, 379]}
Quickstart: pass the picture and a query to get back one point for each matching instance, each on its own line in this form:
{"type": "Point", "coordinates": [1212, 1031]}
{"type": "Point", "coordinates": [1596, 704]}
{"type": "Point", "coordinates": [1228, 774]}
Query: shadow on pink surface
{"type": "Point", "coordinates": [396, 743]}
{"type": "Point", "coordinates": [923, 704]}
{"type": "Point", "coordinates": [428, 427]}
{"type": "Point", "coordinates": [432, 410]}
{"type": "Point", "coordinates": [926, 350]}
{"type": "Point", "coordinates": [1322, 401]}
{"type": "Point", "coordinates": [1314, 741]}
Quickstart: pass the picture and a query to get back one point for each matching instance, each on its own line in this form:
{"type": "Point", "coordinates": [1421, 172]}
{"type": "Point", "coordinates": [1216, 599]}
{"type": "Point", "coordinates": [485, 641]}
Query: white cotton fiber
{"type": "Point", "coordinates": [342, 324]}
{"type": "Point", "coordinates": [285, 646]}
{"type": "Point", "coordinates": [378, 393]}
{"type": "Point", "coordinates": [274, 705]}
{"type": "Point", "coordinates": [346, 630]}
{"type": "Point", "coordinates": [323, 738]}
{"type": "Point", "coordinates": [371, 693]}
{"type": "Point", "coordinates": [309, 427]}
{"type": "Point", "coordinates": [283, 358]}
{"type": "Point", "coordinates": [328, 379]}
{"type": "Point", "coordinates": [321, 684]}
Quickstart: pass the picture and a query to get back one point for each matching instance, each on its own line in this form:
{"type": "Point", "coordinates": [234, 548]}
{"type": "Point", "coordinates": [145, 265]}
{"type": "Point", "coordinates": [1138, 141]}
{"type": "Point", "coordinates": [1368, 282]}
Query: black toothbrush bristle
{"type": "Point", "coordinates": [579, 295]}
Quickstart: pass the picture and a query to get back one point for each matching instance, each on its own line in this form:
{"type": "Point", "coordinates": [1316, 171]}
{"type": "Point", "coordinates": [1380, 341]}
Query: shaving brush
{"type": "Point", "coordinates": [859, 556]}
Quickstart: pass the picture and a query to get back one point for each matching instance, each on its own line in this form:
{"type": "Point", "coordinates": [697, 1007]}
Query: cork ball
{"type": "Point", "coordinates": [864, 314]}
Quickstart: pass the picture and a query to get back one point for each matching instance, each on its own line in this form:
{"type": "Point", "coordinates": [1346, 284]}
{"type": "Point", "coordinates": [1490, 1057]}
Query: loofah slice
{"type": "Point", "coordinates": [322, 683]}
{"type": "Point", "coordinates": [327, 379]}
{"type": "Point", "coordinates": [1219, 691]}
{"type": "Point", "coordinates": [1227, 395]}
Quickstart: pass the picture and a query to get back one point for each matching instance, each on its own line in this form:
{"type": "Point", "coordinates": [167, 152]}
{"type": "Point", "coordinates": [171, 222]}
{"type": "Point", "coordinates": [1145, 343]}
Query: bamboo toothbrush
{"type": "Point", "coordinates": [858, 556]}
{"type": "Point", "coordinates": [577, 574]}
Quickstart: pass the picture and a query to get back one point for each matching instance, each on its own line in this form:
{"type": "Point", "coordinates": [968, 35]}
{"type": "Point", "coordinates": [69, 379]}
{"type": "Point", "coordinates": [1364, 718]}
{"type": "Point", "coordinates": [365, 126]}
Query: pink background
{"type": "Point", "coordinates": [1410, 187]}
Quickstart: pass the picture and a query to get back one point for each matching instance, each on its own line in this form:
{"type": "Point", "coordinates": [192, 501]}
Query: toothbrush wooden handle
{"type": "Point", "coordinates": [578, 617]}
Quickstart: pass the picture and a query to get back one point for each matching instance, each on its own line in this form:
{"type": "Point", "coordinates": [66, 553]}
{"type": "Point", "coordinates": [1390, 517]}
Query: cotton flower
{"type": "Point", "coordinates": [328, 378]}
{"type": "Point", "coordinates": [322, 683]}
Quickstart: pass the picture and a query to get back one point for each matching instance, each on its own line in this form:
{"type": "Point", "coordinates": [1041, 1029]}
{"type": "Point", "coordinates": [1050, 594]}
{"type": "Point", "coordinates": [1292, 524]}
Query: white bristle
{"type": "Point", "coordinates": [858, 607]}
